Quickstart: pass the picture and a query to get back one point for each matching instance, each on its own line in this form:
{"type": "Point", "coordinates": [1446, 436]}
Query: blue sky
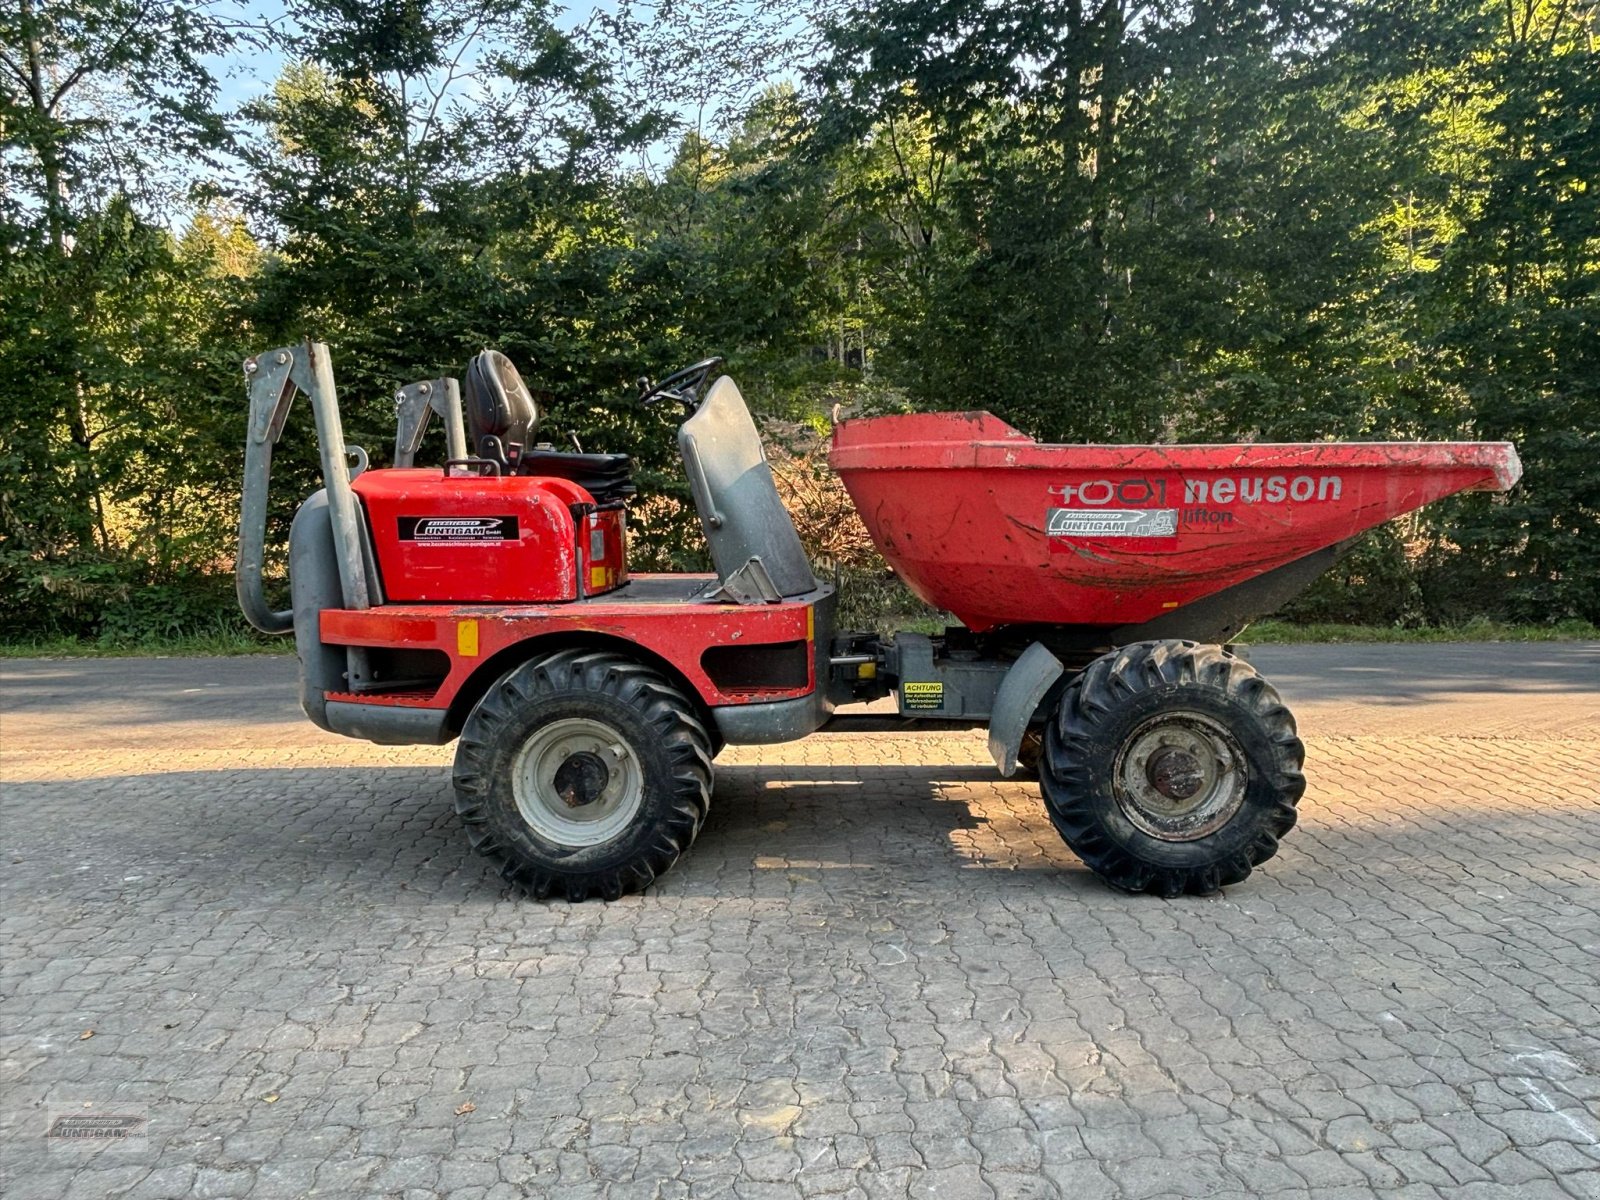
{"type": "Point", "coordinates": [246, 74]}
{"type": "Point", "coordinates": [712, 89]}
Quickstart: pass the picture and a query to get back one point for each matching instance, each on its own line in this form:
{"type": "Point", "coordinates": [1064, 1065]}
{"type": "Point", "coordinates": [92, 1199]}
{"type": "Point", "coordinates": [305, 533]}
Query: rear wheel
{"type": "Point", "coordinates": [1171, 767]}
{"type": "Point", "coordinates": [585, 773]}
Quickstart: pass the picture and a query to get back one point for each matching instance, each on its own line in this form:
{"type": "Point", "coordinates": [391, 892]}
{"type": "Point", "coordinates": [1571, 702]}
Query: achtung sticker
{"type": "Point", "coordinates": [922, 695]}
{"type": "Point", "coordinates": [457, 531]}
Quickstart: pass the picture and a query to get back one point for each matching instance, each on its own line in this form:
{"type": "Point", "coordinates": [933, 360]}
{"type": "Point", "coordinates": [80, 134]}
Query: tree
{"type": "Point", "coordinates": [1115, 221]}
{"type": "Point", "coordinates": [1118, 222]}
{"type": "Point", "coordinates": [1512, 313]}
{"type": "Point", "coordinates": [101, 104]}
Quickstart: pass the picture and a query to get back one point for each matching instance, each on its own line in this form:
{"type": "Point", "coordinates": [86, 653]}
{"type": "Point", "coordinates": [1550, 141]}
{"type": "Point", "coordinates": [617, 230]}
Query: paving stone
{"type": "Point", "coordinates": [952, 1183]}
{"type": "Point", "coordinates": [878, 973]}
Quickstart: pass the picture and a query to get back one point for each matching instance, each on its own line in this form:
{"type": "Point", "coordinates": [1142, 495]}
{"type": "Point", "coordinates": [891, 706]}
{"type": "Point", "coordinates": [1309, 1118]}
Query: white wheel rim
{"type": "Point", "coordinates": [577, 783]}
{"type": "Point", "coordinates": [1180, 776]}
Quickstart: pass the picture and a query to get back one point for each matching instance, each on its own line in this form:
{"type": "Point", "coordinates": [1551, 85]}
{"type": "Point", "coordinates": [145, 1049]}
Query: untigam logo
{"type": "Point", "coordinates": [457, 531]}
{"type": "Point", "coordinates": [1112, 522]}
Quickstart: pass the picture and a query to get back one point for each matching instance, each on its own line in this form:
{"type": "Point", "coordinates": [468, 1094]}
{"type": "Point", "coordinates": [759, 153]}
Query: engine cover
{"type": "Point", "coordinates": [490, 539]}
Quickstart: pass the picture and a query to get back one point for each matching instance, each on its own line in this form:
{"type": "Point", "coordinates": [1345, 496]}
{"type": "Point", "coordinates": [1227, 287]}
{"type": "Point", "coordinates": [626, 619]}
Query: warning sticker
{"type": "Point", "coordinates": [922, 695]}
{"type": "Point", "coordinates": [456, 531]}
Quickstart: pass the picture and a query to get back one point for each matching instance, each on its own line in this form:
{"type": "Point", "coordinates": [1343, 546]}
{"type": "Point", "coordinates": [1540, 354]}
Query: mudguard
{"type": "Point", "coordinates": [1021, 691]}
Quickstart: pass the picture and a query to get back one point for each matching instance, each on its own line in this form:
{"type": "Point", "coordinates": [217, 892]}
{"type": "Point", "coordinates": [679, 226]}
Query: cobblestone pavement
{"type": "Point", "coordinates": [877, 974]}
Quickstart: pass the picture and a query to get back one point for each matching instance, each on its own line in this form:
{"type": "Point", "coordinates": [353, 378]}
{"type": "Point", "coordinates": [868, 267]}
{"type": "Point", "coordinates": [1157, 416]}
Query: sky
{"type": "Point", "coordinates": [244, 74]}
{"type": "Point", "coordinates": [247, 73]}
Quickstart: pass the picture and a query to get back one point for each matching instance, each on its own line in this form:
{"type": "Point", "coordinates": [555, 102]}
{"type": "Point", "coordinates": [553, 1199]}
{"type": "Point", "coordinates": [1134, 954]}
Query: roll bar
{"type": "Point", "coordinates": [414, 404]}
{"type": "Point", "coordinates": [275, 377]}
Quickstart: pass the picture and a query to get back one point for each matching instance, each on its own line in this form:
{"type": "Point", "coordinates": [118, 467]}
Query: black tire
{"type": "Point", "coordinates": [661, 775]}
{"type": "Point", "coordinates": [1104, 788]}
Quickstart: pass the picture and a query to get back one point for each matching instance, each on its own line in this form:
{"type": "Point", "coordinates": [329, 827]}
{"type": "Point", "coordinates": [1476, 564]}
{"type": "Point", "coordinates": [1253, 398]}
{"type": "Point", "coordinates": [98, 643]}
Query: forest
{"type": "Point", "coordinates": [1123, 220]}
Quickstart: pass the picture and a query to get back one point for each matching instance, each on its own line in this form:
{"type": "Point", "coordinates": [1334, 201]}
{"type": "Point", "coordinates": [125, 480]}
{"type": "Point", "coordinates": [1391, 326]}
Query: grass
{"type": "Point", "coordinates": [219, 643]}
{"type": "Point", "coordinates": [229, 643]}
{"type": "Point", "coordinates": [1266, 633]}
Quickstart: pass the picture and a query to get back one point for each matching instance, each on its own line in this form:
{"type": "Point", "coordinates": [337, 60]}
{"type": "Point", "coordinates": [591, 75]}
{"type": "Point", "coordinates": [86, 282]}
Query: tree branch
{"type": "Point", "coordinates": [89, 64]}
{"type": "Point", "coordinates": [449, 78]}
{"type": "Point", "coordinates": [14, 66]}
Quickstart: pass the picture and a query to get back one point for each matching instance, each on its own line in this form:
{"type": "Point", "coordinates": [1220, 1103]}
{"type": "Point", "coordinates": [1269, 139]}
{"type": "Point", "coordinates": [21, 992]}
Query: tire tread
{"type": "Point", "coordinates": [660, 706]}
{"type": "Point", "coordinates": [1075, 737]}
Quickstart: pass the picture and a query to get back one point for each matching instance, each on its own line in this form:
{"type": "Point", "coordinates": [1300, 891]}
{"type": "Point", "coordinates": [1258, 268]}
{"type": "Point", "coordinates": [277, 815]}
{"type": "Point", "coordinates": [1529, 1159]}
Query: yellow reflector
{"type": "Point", "coordinates": [467, 639]}
{"type": "Point", "coordinates": [867, 670]}
{"type": "Point", "coordinates": [597, 578]}
{"type": "Point", "coordinates": [811, 624]}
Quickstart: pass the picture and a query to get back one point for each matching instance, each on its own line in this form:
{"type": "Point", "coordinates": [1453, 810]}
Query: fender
{"type": "Point", "coordinates": [1021, 691]}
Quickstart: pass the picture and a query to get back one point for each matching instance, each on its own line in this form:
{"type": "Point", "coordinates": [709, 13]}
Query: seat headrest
{"type": "Point", "coordinates": [498, 403]}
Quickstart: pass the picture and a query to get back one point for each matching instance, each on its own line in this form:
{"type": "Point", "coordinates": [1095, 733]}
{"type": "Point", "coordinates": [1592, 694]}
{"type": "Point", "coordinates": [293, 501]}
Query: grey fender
{"type": "Point", "coordinates": [314, 585]}
{"type": "Point", "coordinates": [1021, 691]}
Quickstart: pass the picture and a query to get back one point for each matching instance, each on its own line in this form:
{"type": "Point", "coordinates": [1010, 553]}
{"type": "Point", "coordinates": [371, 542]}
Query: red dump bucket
{"type": "Point", "coordinates": [999, 529]}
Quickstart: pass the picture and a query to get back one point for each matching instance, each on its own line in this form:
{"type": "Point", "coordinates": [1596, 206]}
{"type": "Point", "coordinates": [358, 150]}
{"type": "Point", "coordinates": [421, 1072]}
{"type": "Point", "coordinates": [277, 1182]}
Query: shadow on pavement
{"type": "Point", "coordinates": [382, 834]}
{"type": "Point", "coordinates": [238, 692]}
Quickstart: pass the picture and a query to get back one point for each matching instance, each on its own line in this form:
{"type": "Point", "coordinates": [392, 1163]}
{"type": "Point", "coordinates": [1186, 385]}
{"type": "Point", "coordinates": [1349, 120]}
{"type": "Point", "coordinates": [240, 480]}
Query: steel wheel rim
{"type": "Point", "coordinates": [577, 782]}
{"type": "Point", "coordinates": [1180, 776]}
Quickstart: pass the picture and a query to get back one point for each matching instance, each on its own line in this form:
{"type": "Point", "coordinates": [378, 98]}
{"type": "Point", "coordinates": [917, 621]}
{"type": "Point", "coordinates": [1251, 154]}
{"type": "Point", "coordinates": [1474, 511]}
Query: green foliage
{"type": "Point", "coordinates": [118, 458]}
{"type": "Point", "coordinates": [1236, 220]}
{"type": "Point", "coordinates": [117, 602]}
{"type": "Point", "coordinates": [1373, 584]}
{"type": "Point", "coordinates": [220, 636]}
{"type": "Point", "coordinates": [1245, 221]}
{"type": "Point", "coordinates": [1514, 313]}
{"type": "Point", "coordinates": [1479, 629]}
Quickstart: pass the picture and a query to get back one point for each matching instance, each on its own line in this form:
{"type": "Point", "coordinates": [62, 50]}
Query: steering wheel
{"type": "Point", "coordinates": [685, 387]}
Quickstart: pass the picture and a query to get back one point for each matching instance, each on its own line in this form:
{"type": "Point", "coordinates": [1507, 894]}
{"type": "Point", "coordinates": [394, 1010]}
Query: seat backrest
{"type": "Point", "coordinates": [740, 510]}
{"type": "Point", "coordinates": [498, 403]}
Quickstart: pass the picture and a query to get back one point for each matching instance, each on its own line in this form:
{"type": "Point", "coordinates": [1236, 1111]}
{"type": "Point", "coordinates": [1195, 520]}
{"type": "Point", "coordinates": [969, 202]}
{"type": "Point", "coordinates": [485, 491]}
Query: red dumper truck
{"type": "Point", "coordinates": [488, 601]}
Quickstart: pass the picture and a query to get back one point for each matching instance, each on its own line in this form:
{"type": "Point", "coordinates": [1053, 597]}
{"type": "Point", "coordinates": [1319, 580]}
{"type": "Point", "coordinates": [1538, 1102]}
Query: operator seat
{"type": "Point", "coordinates": [501, 414]}
{"type": "Point", "coordinates": [502, 420]}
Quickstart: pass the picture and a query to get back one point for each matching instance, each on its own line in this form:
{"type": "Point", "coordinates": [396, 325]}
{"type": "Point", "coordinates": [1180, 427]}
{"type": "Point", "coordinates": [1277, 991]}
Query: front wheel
{"type": "Point", "coordinates": [1171, 767]}
{"type": "Point", "coordinates": [585, 773]}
